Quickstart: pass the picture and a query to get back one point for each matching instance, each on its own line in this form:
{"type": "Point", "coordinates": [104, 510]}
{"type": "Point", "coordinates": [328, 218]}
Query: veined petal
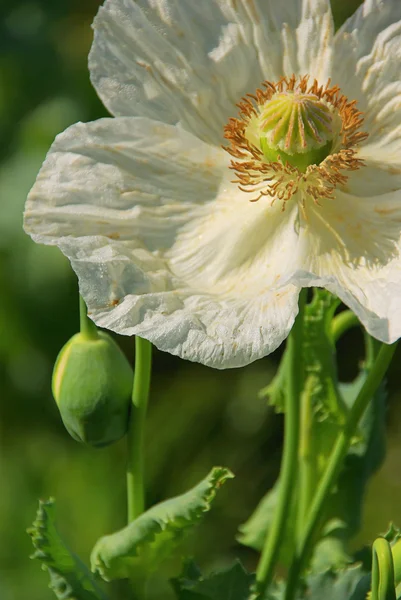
{"type": "Point", "coordinates": [163, 244]}
{"type": "Point", "coordinates": [367, 52]}
{"type": "Point", "coordinates": [351, 246]}
{"type": "Point", "coordinates": [380, 174]}
{"type": "Point", "coordinates": [292, 37]}
{"type": "Point", "coordinates": [180, 61]}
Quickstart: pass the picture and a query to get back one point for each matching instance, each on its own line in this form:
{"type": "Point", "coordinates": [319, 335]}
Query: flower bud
{"type": "Point", "coordinates": [92, 384]}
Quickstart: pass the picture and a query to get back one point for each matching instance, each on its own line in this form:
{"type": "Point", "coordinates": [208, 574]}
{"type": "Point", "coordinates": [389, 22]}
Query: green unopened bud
{"type": "Point", "coordinates": [298, 128]}
{"type": "Point", "coordinates": [92, 384]}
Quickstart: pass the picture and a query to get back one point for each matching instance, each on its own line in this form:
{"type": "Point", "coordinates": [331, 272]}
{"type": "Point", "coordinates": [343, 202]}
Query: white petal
{"type": "Point", "coordinates": [367, 52]}
{"type": "Point", "coordinates": [351, 246]}
{"type": "Point", "coordinates": [180, 61]}
{"type": "Point", "coordinates": [291, 37]}
{"type": "Point", "coordinates": [163, 244]}
{"type": "Point", "coordinates": [380, 175]}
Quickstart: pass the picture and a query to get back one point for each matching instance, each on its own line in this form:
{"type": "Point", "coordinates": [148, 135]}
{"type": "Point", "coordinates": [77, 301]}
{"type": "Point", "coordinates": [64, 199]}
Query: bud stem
{"type": "Point", "coordinates": [87, 327]}
{"type": "Point", "coordinates": [136, 433]}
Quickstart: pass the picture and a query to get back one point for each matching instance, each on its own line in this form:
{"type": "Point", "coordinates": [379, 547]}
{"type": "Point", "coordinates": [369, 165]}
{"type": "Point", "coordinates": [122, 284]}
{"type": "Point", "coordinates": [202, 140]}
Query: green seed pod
{"type": "Point", "coordinates": [92, 384]}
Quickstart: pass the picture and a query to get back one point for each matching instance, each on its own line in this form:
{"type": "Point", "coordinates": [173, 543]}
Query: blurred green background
{"type": "Point", "coordinates": [198, 417]}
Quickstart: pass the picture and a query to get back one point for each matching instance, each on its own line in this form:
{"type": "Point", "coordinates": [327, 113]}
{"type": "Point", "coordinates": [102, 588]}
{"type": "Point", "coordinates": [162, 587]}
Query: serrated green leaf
{"type": "Point", "coordinates": [319, 358]}
{"type": "Point", "coordinates": [329, 403]}
{"type": "Point", "coordinates": [69, 577]}
{"type": "Point", "coordinates": [233, 583]}
{"type": "Point", "coordinates": [318, 353]}
{"type": "Point", "coordinates": [327, 412]}
{"type": "Point", "coordinates": [138, 549]}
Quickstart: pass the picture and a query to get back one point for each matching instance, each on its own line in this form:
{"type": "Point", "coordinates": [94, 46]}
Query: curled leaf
{"type": "Point", "coordinates": [139, 548]}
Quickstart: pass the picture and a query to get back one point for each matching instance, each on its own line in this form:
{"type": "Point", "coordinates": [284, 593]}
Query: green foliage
{"type": "Point", "coordinates": [393, 534]}
{"type": "Point", "coordinates": [326, 403]}
{"type": "Point", "coordinates": [326, 410]}
{"type": "Point", "coordinates": [69, 577]}
{"type": "Point", "coordinates": [320, 360]}
{"type": "Point", "coordinates": [45, 87]}
{"type": "Point", "coordinates": [318, 353]}
{"type": "Point", "coordinates": [352, 583]}
{"type": "Point", "coordinates": [253, 533]}
{"type": "Point", "coordinates": [92, 383]}
{"type": "Point", "coordinates": [232, 583]}
{"type": "Point", "coordinates": [364, 458]}
{"type": "Point", "coordinates": [137, 550]}
{"type": "Point", "coordinates": [383, 582]}
{"type": "Point", "coordinates": [235, 583]}
{"type": "Point", "coordinates": [393, 537]}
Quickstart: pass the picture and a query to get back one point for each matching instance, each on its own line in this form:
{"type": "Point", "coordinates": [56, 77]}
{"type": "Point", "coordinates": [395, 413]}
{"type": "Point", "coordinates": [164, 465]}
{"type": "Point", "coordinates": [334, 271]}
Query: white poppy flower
{"type": "Point", "coordinates": [161, 223]}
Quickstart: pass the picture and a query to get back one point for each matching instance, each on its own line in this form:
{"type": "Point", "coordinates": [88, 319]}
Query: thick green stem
{"type": "Point", "coordinates": [140, 394]}
{"type": "Point", "coordinates": [288, 473]}
{"type": "Point", "coordinates": [307, 463]}
{"type": "Point", "coordinates": [87, 327]}
{"type": "Point", "coordinates": [335, 463]}
{"type": "Point", "coordinates": [342, 322]}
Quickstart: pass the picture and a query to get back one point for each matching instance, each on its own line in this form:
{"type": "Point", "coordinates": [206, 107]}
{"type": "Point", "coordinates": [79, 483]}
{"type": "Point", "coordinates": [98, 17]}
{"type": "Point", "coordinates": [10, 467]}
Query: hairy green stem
{"type": "Point", "coordinates": [342, 322]}
{"type": "Point", "coordinates": [87, 327]}
{"type": "Point", "coordinates": [287, 481]}
{"type": "Point", "coordinates": [140, 394]}
{"type": "Point", "coordinates": [334, 465]}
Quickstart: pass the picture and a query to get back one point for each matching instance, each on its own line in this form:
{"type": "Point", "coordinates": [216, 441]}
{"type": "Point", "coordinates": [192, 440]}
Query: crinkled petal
{"type": "Point", "coordinates": [351, 246]}
{"type": "Point", "coordinates": [163, 244]}
{"type": "Point", "coordinates": [187, 62]}
{"type": "Point", "coordinates": [366, 65]}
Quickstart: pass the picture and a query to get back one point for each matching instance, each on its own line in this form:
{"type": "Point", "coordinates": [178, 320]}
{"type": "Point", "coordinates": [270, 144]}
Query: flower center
{"type": "Point", "coordinates": [294, 137]}
{"type": "Point", "coordinates": [298, 128]}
